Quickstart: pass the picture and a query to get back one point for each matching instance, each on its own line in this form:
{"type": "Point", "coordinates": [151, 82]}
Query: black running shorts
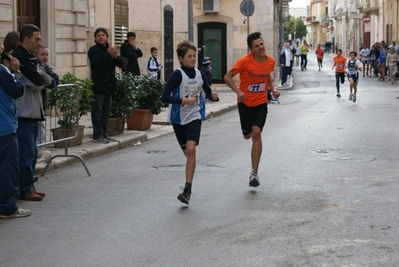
{"type": "Point", "coordinates": [252, 116]}
{"type": "Point", "coordinates": [188, 132]}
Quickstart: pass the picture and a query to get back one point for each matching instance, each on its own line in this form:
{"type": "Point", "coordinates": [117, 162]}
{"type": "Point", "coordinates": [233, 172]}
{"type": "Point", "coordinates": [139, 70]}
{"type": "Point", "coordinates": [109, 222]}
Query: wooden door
{"type": "Point", "coordinates": [28, 12]}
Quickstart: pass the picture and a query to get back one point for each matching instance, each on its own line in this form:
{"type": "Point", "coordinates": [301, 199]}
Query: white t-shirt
{"type": "Point", "coordinates": [365, 53]}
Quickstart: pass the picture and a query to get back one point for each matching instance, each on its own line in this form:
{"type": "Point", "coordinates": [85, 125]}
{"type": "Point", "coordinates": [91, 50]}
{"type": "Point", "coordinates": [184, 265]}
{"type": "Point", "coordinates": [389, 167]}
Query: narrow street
{"type": "Point", "coordinates": [329, 189]}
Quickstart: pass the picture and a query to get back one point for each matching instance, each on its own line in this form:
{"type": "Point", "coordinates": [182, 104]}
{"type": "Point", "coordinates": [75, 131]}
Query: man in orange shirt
{"type": "Point", "coordinates": [255, 69]}
{"type": "Point", "coordinates": [339, 64]}
{"type": "Point", "coordinates": [320, 54]}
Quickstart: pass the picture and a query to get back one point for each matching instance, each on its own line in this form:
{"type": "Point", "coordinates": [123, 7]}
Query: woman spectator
{"type": "Point", "coordinates": [11, 41]}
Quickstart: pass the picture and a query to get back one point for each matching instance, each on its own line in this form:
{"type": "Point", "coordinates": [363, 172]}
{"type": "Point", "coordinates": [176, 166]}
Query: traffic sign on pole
{"type": "Point", "coordinates": [366, 18]}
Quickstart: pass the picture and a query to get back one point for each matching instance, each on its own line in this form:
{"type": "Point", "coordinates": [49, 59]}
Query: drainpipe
{"type": "Point", "coordinates": [190, 21]}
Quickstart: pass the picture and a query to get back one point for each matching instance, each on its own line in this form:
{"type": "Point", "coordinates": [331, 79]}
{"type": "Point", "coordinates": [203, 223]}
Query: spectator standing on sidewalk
{"type": "Point", "coordinates": [29, 109]}
{"type": "Point", "coordinates": [185, 94]}
{"type": "Point", "coordinates": [303, 51]}
{"type": "Point", "coordinates": [131, 51]}
{"type": "Point", "coordinates": [297, 53]}
{"type": "Point", "coordinates": [285, 63]}
{"type": "Point", "coordinates": [103, 59]}
{"type": "Point", "coordinates": [374, 55]}
{"type": "Point", "coordinates": [392, 58]}
{"type": "Point", "coordinates": [339, 64]}
{"type": "Point", "coordinates": [42, 56]}
{"type": "Point", "coordinates": [255, 69]}
{"type": "Point", "coordinates": [365, 55]}
{"type": "Point", "coordinates": [352, 68]}
{"type": "Point", "coordinates": [207, 69]}
{"type": "Point", "coordinates": [382, 62]}
{"type": "Point", "coordinates": [11, 41]}
{"type": "Point", "coordinates": [293, 51]}
{"type": "Point", "coordinates": [320, 54]}
{"type": "Point", "coordinates": [11, 88]}
{"type": "Point", "coordinates": [154, 66]}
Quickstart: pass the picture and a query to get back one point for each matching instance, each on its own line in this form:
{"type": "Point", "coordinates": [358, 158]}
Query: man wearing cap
{"type": "Point", "coordinates": [207, 69]}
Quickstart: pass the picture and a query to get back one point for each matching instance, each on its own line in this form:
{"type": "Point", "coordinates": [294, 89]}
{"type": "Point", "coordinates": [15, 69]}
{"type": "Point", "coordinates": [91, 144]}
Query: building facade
{"type": "Point", "coordinates": [350, 24]}
{"type": "Point", "coordinates": [217, 27]}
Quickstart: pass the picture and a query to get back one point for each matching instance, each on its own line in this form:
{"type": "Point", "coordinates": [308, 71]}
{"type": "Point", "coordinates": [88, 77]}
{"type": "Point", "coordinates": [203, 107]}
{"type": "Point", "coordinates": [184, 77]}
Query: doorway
{"type": "Point", "coordinates": [28, 12]}
{"type": "Point", "coordinates": [212, 43]}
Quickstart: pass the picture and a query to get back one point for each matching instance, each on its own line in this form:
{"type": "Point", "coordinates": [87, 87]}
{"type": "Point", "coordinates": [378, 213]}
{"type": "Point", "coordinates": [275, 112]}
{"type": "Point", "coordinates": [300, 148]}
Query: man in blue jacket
{"type": "Point", "coordinates": [10, 89]}
{"type": "Point", "coordinates": [103, 59]}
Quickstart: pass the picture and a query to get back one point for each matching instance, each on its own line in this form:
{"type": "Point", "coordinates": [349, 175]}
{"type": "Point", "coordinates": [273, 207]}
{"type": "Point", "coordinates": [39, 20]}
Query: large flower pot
{"type": "Point", "coordinates": [115, 126]}
{"type": "Point", "coordinates": [140, 120]}
{"type": "Point", "coordinates": [59, 133]}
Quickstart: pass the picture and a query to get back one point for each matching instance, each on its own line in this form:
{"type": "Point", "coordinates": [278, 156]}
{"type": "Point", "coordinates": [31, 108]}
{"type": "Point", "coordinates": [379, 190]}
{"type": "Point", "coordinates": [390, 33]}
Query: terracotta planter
{"type": "Point", "coordinates": [140, 120]}
{"type": "Point", "coordinates": [59, 133]}
{"type": "Point", "coordinates": [115, 126]}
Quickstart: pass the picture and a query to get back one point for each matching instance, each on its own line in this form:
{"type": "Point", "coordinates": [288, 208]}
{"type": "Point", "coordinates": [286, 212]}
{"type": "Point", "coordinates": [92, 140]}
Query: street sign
{"type": "Point", "coordinates": [366, 18]}
{"type": "Point", "coordinates": [247, 8]}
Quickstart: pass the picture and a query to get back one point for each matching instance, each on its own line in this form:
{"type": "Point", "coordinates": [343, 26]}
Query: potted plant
{"type": "Point", "coordinates": [147, 93]}
{"type": "Point", "coordinates": [123, 103]}
{"type": "Point", "coordinates": [64, 101]}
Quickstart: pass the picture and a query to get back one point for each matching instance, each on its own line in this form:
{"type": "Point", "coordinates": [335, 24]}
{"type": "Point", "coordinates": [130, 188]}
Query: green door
{"type": "Point", "coordinates": [212, 43]}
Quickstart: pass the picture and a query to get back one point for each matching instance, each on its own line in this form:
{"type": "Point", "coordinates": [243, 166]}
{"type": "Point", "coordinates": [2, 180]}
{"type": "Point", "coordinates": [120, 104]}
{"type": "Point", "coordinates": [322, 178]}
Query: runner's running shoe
{"type": "Point", "coordinates": [254, 179]}
{"type": "Point", "coordinates": [354, 98]}
{"type": "Point", "coordinates": [350, 97]}
{"type": "Point", "coordinates": [184, 197]}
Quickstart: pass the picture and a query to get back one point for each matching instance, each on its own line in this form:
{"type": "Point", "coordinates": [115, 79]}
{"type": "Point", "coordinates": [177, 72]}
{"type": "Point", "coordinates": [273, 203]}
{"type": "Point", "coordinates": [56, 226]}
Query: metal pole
{"type": "Point", "coordinates": [190, 21]}
{"type": "Point", "coordinates": [247, 1]}
{"type": "Point", "coordinates": [281, 36]}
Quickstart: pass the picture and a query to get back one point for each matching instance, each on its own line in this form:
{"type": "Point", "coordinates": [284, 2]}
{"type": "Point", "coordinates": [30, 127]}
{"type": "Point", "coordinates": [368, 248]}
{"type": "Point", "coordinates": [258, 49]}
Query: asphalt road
{"type": "Point", "coordinates": [328, 194]}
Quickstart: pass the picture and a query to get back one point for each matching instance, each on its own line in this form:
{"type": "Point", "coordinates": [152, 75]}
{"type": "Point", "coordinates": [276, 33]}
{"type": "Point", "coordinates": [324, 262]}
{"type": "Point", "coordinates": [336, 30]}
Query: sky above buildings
{"type": "Point", "coordinates": [299, 3]}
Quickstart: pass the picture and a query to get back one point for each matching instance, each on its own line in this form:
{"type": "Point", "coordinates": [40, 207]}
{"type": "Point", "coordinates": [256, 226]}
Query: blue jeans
{"type": "Point", "coordinates": [8, 174]}
{"type": "Point", "coordinates": [27, 135]}
{"type": "Point", "coordinates": [100, 111]}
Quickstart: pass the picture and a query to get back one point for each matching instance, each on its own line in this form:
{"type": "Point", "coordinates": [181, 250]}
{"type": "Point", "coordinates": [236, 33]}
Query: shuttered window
{"type": "Point", "coordinates": [121, 21]}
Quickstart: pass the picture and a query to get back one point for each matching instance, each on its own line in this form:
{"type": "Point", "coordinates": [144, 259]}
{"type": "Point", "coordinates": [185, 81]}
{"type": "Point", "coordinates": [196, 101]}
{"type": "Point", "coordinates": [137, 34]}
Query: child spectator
{"type": "Point", "coordinates": [207, 69]}
{"type": "Point", "coordinates": [154, 66]}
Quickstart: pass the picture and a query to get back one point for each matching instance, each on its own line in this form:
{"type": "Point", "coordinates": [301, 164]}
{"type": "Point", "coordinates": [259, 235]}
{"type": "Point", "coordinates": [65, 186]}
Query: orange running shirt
{"type": "Point", "coordinates": [340, 64]}
{"type": "Point", "coordinates": [254, 78]}
{"type": "Point", "coordinates": [320, 53]}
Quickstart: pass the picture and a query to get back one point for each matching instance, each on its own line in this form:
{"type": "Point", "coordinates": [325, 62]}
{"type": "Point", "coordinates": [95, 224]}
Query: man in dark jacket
{"type": "Point", "coordinates": [29, 109]}
{"type": "Point", "coordinates": [131, 52]}
{"type": "Point", "coordinates": [103, 60]}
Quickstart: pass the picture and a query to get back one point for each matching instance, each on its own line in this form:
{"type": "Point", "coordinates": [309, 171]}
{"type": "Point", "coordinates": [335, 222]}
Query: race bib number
{"type": "Point", "coordinates": [339, 66]}
{"type": "Point", "coordinates": [352, 72]}
{"type": "Point", "coordinates": [256, 87]}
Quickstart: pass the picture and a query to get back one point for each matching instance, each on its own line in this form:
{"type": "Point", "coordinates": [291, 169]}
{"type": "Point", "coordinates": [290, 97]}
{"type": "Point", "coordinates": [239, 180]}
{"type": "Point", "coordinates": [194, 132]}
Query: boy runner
{"type": "Point", "coordinates": [352, 67]}
{"type": "Point", "coordinates": [184, 93]}
{"type": "Point", "coordinates": [339, 64]}
{"type": "Point", "coordinates": [255, 69]}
